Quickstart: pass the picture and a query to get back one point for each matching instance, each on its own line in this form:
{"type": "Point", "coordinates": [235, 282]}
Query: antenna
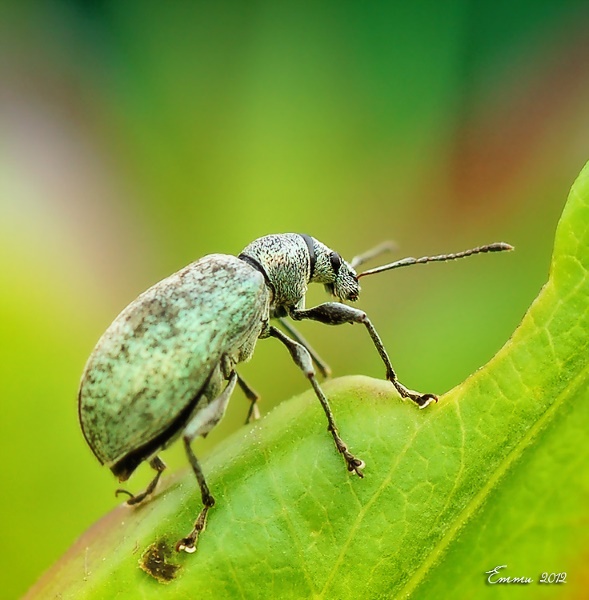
{"type": "Point", "coordinates": [387, 246]}
{"type": "Point", "coordinates": [405, 262]}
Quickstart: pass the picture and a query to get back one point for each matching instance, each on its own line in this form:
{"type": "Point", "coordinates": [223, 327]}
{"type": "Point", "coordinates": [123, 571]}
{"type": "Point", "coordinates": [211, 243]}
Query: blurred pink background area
{"type": "Point", "coordinates": [137, 137]}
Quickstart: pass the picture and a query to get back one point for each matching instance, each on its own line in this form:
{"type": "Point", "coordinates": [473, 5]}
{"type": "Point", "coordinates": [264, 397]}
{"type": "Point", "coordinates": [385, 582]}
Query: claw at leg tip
{"type": "Point", "coordinates": [182, 545]}
{"type": "Point", "coordinates": [429, 398]}
{"type": "Point", "coordinates": [356, 466]}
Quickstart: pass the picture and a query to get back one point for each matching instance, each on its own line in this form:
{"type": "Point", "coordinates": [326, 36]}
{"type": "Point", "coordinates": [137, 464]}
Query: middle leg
{"type": "Point", "coordinates": [303, 360]}
{"type": "Point", "coordinates": [253, 413]}
{"type": "Point", "coordinates": [319, 362]}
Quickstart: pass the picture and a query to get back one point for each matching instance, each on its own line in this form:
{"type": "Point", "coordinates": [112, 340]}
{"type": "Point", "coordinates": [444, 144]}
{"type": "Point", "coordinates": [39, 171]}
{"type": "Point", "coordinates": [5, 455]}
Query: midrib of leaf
{"type": "Point", "coordinates": [477, 501]}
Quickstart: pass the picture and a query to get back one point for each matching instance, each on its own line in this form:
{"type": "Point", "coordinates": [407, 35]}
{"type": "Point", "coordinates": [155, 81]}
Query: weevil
{"type": "Point", "coordinates": [165, 367]}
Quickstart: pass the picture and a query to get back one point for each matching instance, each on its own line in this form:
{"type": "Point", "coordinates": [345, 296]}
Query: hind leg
{"type": "Point", "coordinates": [202, 422]}
{"type": "Point", "coordinates": [155, 463]}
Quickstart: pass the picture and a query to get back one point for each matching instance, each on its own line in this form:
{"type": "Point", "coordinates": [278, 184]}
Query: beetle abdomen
{"type": "Point", "coordinates": [145, 375]}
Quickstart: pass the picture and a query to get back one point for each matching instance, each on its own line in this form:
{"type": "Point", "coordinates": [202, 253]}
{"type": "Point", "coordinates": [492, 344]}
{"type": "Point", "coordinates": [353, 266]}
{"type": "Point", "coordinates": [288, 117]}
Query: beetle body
{"type": "Point", "coordinates": [166, 366]}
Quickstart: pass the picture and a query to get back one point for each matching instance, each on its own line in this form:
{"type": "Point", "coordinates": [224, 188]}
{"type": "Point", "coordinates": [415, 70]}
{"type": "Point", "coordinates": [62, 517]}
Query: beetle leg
{"type": "Point", "coordinates": [253, 413]}
{"type": "Point", "coordinates": [201, 424]}
{"type": "Point", "coordinates": [302, 359]}
{"type": "Point", "coordinates": [155, 463]}
{"type": "Point", "coordinates": [319, 362]}
{"type": "Point", "coordinates": [335, 313]}
{"type": "Point", "coordinates": [188, 544]}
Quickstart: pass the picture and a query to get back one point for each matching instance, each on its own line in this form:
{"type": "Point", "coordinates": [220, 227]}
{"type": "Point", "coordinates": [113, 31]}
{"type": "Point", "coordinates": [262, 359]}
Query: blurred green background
{"type": "Point", "coordinates": [135, 137]}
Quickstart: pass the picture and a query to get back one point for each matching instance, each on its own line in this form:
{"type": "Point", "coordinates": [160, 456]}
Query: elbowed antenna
{"type": "Point", "coordinates": [405, 262]}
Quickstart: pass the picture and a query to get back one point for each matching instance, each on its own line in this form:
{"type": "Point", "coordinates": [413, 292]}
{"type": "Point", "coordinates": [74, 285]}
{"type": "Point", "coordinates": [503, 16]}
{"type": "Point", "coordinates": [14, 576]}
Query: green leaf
{"type": "Point", "coordinates": [495, 474]}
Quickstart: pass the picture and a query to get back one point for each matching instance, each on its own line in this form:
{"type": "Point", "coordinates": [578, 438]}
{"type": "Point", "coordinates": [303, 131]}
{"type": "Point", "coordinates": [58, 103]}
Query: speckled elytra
{"type": "Point", "coordinates": [165, 367]}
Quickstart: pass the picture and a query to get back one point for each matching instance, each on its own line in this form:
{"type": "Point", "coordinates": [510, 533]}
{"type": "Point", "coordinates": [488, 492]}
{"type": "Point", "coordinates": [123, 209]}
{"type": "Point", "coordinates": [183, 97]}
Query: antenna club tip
{"type": "Point", "coordinates": [502, 246]}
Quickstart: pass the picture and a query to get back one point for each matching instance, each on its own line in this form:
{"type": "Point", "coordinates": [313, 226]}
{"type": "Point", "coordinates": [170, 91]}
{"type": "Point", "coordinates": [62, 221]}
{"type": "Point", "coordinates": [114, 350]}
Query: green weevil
{"type": "Point", "coordinates": [165, 367]}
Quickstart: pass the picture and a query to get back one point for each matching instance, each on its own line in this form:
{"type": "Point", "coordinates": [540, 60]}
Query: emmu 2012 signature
{"type": "Point", "coordinates": [493, 577]}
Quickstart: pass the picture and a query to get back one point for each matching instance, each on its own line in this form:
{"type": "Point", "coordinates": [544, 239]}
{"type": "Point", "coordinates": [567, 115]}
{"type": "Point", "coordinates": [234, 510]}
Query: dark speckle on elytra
{"type": "Point", "coordinates": [136, 397]}
{"type": "Point", "coordinates": [155, 562]}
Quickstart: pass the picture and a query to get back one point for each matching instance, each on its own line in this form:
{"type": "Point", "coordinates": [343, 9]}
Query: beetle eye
{"type": "Point", "coordinates": [336, 261]}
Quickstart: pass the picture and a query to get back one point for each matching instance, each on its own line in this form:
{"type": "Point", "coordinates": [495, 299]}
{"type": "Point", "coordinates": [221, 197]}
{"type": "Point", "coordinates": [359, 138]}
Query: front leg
{"type": "Point", "coordinates": [335, 313]}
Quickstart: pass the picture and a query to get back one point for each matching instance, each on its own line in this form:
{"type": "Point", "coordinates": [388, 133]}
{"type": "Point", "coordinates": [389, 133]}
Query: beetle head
{"type": "Point", "coordinates": [338, 276]}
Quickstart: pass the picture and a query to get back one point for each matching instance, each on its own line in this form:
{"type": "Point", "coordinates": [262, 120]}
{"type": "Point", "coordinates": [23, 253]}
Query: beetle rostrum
{"type": "Point", "coordinates": [166, 367]}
